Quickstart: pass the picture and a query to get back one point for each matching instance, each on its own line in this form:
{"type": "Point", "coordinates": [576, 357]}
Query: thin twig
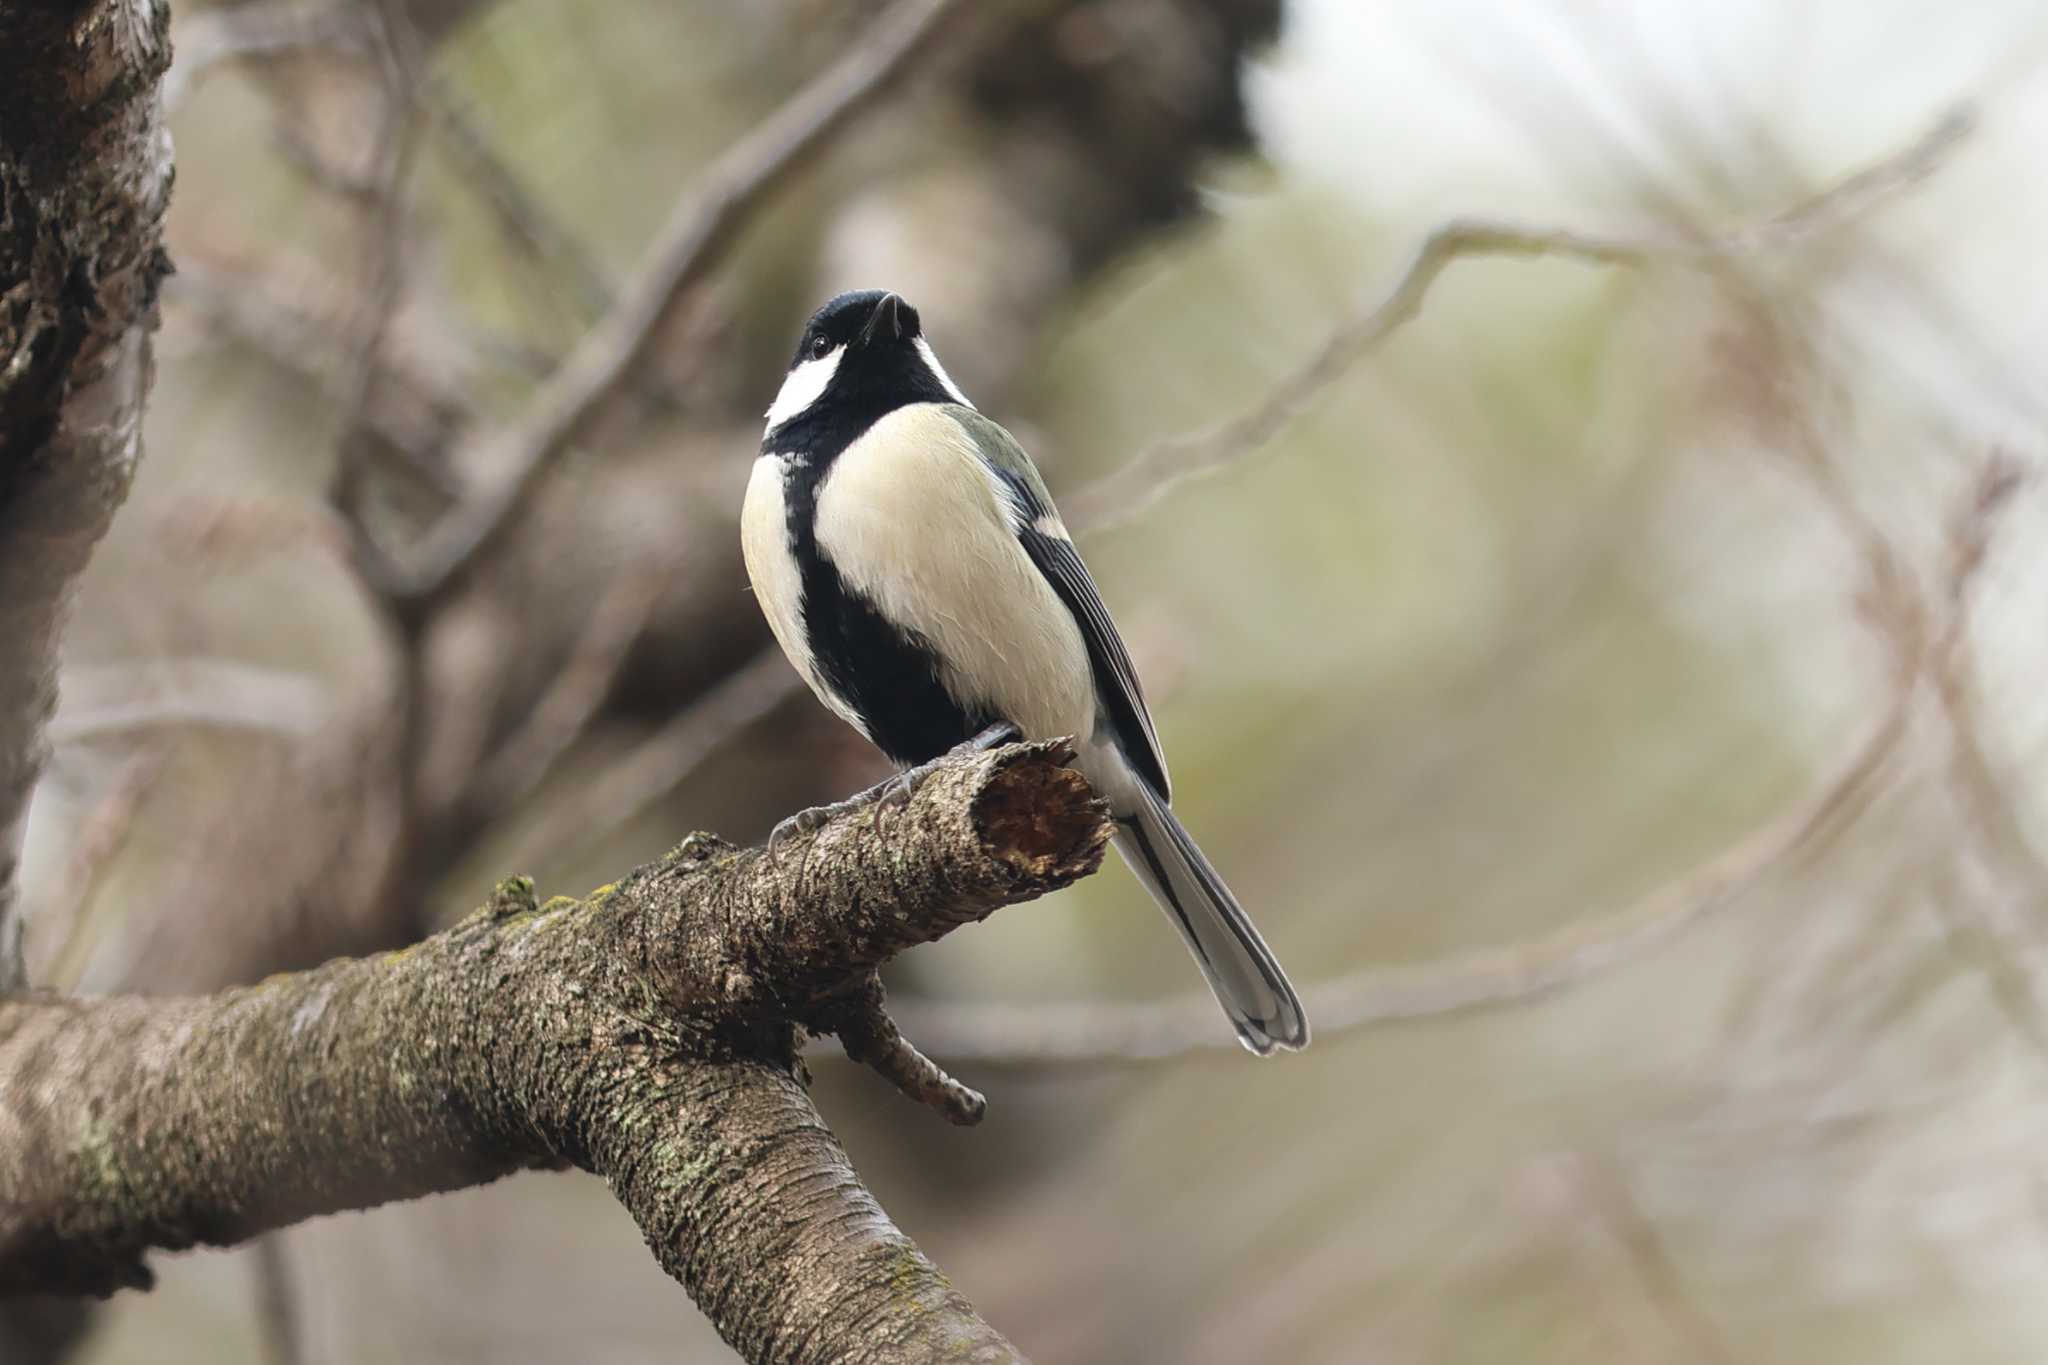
{"type": "Point", "coordinates": [525, 222]}
{"type": "Point", "coordinates": [556, 254]}
{"type": "Point", "coordinates": [573, 699]}
{"type": "Point", "coordinates": [1046, 1033]}
{"type": "Point", "coordinates": [658, 765]}
{"type": "Point", "coordinates": [1607, 1227]}
{"type": "Point", "coordinates": [1163, 468]}
{"type": "Point", "coordinates": [1976, 782]}
{"type": "Point", "coordinates": [704, 223]}
{"type": "Point", "coordinates": [403, 631]}
{"type": "Point", "coordinates": [396, 152]}
{"type": "Point", "coordinates": [104, 702]}
{"type": "Point", "coordinates": [405, 406]}
{"type": "Point", "coordinates": [98, 840]}
{"type": "Point", "coordinates": [1988, 809]}
{"type": "Point", "coordinates": [233, 33]}
{"type": "Point", "coordinates": [277, 1302]}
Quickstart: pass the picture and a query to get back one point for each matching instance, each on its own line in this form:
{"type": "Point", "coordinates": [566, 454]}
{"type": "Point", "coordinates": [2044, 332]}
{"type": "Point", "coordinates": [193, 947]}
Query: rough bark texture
{"type": "Point", "coordinates": [85, 173]}
{"type": "Point", "coordinates": [647, 1032]}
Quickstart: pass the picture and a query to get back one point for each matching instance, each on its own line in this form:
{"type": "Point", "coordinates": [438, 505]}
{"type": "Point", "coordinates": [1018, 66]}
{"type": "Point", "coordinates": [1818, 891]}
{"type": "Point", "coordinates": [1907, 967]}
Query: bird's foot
{"type": "Point", "coordinates": [994, 737]}
{"type": "Point", "coordinates": [891, 793]}
{"type": "Point", "coordinates": [894, 793]}
{"type": "Point", "coordinates": [809, 821]}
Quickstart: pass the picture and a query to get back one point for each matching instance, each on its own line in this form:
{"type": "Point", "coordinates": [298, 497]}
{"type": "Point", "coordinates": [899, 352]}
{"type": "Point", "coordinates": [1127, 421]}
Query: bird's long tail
{"type": "Point", "coordinates": [1240, 968]}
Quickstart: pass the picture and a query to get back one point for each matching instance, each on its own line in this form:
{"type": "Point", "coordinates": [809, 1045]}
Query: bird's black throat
{"type": "Point", "coordinates": [885, 673]}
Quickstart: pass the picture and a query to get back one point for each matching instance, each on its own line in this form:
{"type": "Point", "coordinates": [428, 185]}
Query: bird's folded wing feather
{"type": "Point", "coordinates": [1045, 540]}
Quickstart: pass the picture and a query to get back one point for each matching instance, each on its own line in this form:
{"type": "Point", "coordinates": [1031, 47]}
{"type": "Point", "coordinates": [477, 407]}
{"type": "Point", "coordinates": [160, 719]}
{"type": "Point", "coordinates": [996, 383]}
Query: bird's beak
{"type": "Point", "coordinates": [888, 314]}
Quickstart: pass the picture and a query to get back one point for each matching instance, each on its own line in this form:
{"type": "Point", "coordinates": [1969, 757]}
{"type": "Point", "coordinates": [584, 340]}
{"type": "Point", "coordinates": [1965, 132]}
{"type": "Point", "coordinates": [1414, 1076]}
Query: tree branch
{"type": "Point", "coordinates": [1054, 1033]}
{"type": "Point", "coordinates": [85, 173]}
{"type": "Point", "coordinates": [1161, 469]}
{"type": "Point", "coordinates": [547, 243]}
{"type": "Point", "coordinates": [85, 176]}
{"type": "Point", "coordinates": [1158, 471]}
{"type": "Point", "coordinates": [107, 701]}
{"type": "Point", "coordinates": [1115, 1033]}
{"type": "Point", "coordinates": [566, 709]}
{"type": "Point", "coordinates": [647, 1033]}
{"type": "Point", "coordinates": [661, 762]}
{"type": "Point", "coordinates": [232, 33]}
{"type": "Point", "coordinates": [704, 222]}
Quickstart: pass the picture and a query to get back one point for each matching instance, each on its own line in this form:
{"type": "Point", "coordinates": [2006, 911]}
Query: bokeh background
{"type": "Point", "coordinates": [1617, 694]}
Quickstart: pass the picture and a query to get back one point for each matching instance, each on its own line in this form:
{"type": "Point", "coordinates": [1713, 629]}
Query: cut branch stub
{"type": "Point", "coordinates": [621, 1031]}
{"type": "Point", "coordinates": [1041, 820]}
{"type": "Point", "coordinates": [807, 926]}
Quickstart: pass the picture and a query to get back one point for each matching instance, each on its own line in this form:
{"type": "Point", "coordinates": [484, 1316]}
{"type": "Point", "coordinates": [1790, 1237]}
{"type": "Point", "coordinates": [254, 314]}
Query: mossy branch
{"type": "Point", "coordinates": [647, 1032]}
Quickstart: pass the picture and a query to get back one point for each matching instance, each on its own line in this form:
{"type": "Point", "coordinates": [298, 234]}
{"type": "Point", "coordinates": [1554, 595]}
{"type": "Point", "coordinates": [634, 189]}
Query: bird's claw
{"type": "Point", "coordinates": [895, 792]}
{"type": "Point", "coordinates": [994, 737]}
{"type": "Point", "coordinates": [807, 821]}
{"type": "Point", "coordinates": [892, 792]}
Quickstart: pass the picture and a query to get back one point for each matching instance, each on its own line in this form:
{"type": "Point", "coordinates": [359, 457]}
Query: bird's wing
{"type": "Point", "coordinates": [1044, 537]}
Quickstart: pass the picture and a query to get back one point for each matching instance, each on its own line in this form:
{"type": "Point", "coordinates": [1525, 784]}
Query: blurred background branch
{"type": "Point", "coordinates": [1160, 470]}
{"type": "Point", "coordinates": [1665, 633]}
{"type": "Point", "coordinates": [1043, 1034]}
{"type": "Point", "coordinates": [704, 222]}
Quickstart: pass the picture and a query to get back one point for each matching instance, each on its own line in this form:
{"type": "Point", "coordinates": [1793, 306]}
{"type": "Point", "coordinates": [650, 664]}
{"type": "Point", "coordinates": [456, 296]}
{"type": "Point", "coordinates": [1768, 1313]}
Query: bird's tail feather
{"type": "Point", "coordinates": [1240, 969]}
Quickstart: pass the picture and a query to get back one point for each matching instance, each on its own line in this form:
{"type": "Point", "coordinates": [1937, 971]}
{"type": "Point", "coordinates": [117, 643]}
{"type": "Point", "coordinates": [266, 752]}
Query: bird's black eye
{"type": "Point", "coordinates": [820, 344]}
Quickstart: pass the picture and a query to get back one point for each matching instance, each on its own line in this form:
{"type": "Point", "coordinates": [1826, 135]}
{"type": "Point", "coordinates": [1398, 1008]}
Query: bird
{"type": "Point", "coordinates": [914, 570]}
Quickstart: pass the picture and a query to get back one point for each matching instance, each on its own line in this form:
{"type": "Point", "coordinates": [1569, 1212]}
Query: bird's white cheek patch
{"type": "Point", "coordinates": [931, 358]}
{"type": "Point", "coordinates": [805, 385]}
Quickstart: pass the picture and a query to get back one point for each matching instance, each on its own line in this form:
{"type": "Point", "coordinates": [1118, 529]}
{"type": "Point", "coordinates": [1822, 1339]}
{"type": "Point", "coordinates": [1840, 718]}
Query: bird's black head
{"type": "Point", "coordinates": [861, 356]}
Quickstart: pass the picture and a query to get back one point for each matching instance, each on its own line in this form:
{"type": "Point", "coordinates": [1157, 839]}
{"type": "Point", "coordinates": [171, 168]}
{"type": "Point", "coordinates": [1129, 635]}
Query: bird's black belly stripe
{"type": "Point", "coordinates": [888, 676]}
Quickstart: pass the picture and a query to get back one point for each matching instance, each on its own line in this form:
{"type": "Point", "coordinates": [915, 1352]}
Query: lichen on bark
{"type": "Point", "coordinates": [648, 1032]}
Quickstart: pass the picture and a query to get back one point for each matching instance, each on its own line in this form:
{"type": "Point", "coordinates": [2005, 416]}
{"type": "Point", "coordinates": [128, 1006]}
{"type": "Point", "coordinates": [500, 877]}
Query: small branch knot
{"type": "Point", "coordinates": [513, 896]}
{"type": "Point", "coordinates": [697, 849]}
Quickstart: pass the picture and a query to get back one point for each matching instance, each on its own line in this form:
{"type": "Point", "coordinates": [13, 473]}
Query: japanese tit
{"type": "Point", "coordinates": [912, 566]}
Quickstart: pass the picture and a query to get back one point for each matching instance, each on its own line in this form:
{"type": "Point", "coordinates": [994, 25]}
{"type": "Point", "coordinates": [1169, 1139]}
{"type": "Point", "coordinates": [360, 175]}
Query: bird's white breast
{"type": "Point", "coordinates": [773, 570]}
{"type": "Point", "coordinates": [914, 520]}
